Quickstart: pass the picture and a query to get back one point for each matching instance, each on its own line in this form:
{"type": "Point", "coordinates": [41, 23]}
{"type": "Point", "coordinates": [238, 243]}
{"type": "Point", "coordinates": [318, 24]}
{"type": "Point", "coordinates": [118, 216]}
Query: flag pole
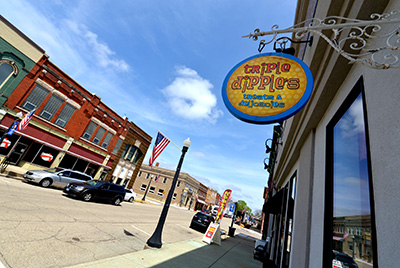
{"type": "Point", "coordinates": [170, 140]}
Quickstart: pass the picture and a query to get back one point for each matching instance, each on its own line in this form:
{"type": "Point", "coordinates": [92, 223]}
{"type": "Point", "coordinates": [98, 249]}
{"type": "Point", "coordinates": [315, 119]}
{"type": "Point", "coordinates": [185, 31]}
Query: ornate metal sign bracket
{"type": "Point", "coordinates": [355, 45]}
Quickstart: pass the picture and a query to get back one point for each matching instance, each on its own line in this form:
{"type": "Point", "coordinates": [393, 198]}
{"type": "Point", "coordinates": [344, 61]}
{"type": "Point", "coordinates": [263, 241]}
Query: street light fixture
{"type": "Point", "coordinates": [155, 239]}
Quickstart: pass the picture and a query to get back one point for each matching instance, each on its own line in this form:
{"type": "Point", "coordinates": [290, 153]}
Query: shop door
{"type": "Point", "coordinates": [17, 153]}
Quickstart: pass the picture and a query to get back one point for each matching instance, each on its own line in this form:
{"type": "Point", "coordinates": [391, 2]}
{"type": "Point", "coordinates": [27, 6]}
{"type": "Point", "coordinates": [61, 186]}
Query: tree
{"type": "Point", "coordinates": [242, 205]}
{"type": "Point", "coordinates": [257, 214]}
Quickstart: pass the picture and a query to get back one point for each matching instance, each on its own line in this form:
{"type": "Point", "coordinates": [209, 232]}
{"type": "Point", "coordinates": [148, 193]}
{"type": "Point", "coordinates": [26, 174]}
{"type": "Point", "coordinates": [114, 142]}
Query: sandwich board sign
{"type": "Point", "coordinates": [213, 234]}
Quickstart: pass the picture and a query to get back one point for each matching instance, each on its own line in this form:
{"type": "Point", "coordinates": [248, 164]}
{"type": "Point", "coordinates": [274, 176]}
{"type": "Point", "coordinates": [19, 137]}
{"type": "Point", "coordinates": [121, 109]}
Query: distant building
{"type": "Point", "coordinates": [156, 182]}
{"type": "Point", "coordinates": [201, 197]}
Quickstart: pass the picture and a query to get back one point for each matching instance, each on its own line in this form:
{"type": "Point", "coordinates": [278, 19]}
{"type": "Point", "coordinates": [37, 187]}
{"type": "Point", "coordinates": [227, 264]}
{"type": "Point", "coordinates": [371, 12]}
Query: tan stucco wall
{"type": "Point", "coordinates": [20, 42]}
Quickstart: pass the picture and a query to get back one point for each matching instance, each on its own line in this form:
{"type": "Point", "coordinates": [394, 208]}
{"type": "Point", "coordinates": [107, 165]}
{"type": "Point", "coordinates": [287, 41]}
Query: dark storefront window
{"type": "Point", "coordinates": [349, 225]}
{"type": "Point", "coordinates": [75, 163]}
{"type": "Point", "coordinates": [32, 152]}
{"type": "Point", "coordinates": [68, 161]}
{"type": "Point", "coordinates": [8, 143]}
{"type": "Point", "coordinates": [81, 165]}
{"type": "Point", "coordinates": [45, 156]}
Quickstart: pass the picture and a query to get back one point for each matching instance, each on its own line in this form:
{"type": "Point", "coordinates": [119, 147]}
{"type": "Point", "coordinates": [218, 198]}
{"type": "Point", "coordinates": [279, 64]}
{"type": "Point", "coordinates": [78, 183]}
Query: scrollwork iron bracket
{"type": "Point", "coordinates": [351, 37]}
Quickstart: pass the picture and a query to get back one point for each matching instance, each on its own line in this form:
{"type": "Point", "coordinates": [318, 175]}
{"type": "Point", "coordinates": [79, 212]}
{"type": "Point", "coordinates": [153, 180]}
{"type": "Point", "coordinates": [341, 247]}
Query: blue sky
{"type": "Point", "coordinates": [162, 64]}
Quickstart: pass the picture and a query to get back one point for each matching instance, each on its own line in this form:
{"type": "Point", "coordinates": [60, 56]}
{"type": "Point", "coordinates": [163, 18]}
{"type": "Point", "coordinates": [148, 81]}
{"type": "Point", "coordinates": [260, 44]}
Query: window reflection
{"type": "Point", "coordinates": [351, 194]}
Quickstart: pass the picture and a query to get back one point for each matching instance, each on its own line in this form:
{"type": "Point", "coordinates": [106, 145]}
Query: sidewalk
{"type": "Point", "coordinates": [234, 252]}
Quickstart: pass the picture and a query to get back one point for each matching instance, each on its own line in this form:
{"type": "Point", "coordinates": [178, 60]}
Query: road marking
{"type": "Point", "coordinates": [185, 227]}
{"type": "Point", "coordinates": [141, 230]}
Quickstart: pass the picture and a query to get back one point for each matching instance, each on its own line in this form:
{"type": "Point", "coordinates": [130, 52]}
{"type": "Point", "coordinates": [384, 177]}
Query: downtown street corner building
{"type": "Point", "coordinates": [70, 128]}
{"type": "Point", "coordinates": [155, 182]}
{"type": "Point", "coordinates": [334, 166]}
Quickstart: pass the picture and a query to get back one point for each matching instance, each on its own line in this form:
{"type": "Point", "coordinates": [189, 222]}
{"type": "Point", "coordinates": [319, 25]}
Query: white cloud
{"type": "Point", "coordinates": [102, 53]}
{"type": "Point", "coordinates": [190, 96]}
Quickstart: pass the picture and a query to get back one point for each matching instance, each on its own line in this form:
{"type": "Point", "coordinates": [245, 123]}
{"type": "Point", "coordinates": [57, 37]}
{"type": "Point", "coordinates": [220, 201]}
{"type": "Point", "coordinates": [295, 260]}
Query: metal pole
{"type": "Point", "coordinates": [155, 239]}
{"type": "Point", "coordinates": [147, 189]}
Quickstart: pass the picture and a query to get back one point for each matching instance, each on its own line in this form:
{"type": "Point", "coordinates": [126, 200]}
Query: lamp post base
{"type": "Point", "coordinates": [155, 240]}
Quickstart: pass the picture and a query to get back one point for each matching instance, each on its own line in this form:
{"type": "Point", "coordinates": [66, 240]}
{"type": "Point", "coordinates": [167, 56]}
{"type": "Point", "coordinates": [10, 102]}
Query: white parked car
{"type": "Point", "coordinates": [130, 195]}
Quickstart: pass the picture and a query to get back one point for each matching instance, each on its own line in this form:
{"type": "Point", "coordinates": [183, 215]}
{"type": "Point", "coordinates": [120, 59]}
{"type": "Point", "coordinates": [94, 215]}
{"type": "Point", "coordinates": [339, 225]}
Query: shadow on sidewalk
{"type": "Point", "coordinates": [234, 252]}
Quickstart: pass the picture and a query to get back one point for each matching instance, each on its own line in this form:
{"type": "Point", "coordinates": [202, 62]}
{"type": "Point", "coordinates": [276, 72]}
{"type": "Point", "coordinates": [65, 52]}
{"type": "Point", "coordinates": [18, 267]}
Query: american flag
{"type": "Point", "coordinates": [159, 146]}
{"type": "Point", "coordinates": [157, 178]}
{"type": "Point", "coordinates": [25, 121]}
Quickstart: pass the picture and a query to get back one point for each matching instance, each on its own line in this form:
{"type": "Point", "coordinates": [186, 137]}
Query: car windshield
{"type": "Point", "coordinates": [54, 170]}
{"type": "Point", "coordinates": [94, 183]}
{"type": "Point", "coordinates": [202, 216]}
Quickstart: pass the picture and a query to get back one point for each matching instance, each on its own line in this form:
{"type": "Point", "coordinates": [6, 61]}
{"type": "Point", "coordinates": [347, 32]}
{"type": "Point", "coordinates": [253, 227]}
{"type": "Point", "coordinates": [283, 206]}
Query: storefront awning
{"type": "Point", "coordinates": [274, 203]}
{"type": "Point", "coordinates": [201, 201]}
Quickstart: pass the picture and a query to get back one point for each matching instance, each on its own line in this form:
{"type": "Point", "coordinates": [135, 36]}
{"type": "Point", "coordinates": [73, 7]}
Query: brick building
{"type": "Point", "coordinates": [130, 157]}
{"type": "Point", "coordinates": [201, 197]}
{"type": "Point", "coordinates": [71, 127]}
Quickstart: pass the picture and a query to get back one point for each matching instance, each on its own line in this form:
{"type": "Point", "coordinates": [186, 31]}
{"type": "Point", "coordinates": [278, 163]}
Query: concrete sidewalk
{"type": "Point", "coordinates": [234, 252]}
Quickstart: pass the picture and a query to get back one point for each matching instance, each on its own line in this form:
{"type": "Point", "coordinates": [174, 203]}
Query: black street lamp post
{"type": "Point", "coordinates": [147, 189]}
{"type": "Point", "coordinates": [155, 239]}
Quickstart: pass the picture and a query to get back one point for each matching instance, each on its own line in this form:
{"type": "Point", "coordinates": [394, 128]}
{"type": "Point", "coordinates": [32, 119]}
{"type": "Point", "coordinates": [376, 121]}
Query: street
{"type": "Point", "coordinates": [42, 227]}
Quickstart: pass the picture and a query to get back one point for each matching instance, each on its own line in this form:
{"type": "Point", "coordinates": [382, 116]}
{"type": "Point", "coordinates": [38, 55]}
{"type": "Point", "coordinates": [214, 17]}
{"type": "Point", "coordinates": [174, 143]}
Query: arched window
{"type": "Point", "coordinates": [7, 68]}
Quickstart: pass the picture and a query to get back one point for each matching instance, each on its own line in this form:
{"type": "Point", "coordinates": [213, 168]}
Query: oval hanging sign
{"type": "Point", "coordinates": [267, 88]}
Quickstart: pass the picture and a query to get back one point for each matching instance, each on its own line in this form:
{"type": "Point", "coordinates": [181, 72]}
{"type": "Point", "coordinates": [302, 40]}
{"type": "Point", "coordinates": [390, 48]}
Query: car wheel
{"type": "Point", "coordinates": [45, 183]}
{"type": "Point", "coordinates": [87, 196]}
{"type": "Point", "coordinates": [131, 199]}
{"type": "Point", "coordinates": [117, 201]}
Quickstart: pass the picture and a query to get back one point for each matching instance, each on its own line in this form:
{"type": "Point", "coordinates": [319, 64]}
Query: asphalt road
{"type": "Point", "coordinates": [44, 228]}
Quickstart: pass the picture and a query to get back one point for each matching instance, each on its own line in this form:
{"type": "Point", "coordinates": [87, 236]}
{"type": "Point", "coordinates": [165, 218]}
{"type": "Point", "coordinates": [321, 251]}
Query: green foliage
{"type": "Point", "coordinates": [242, 205]}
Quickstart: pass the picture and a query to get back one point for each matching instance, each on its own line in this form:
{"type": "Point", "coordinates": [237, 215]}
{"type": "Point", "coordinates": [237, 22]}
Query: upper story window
{"type": "Point", "coordinates": [117, 146]}
{"type": "Point", "coordinates": [65, 115]}
{"type": "Point", "coordinates": [106, 140]}
{"type": "Point", "coordinates": [349, 193]}
{"type": "Point", "coordinates": [6, 70]}
{"type": "Point", "coordinates": [132, 153]}
{"type": "Point", "coordinates": [52, 106]}
{"type": "Point", "coordinates": [36, 98]}
{"type": "Point", "coordinates": [164, 180]}
{"type": "Point", "coordinates": [99, 134]}
{"type": "Point", "coordinates": [89, 131]}
{"type": "Point", "coordinates": [95, 134]}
